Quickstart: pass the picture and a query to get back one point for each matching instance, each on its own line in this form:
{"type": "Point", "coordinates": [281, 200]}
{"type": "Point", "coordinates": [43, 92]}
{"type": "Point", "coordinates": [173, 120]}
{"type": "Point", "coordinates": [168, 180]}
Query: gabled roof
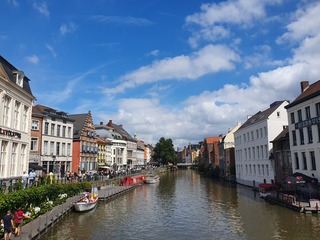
{"type": "Point", "coordinates": [125, 135]}
{"type": "Point", "coordinates": [211, 140]}
{"type": "Point", "coordinates": [41, 110]}
{"type": "Point", "coordinates": [79, 122]}
{"type": "Point", "coordinates": [261, 116]}
{"type": "Point", "coordinates": [283, 135]}
{"type": "Point", "coordinates": [10, 69]}
{"type": "Point", "coordinates": [311, 91]}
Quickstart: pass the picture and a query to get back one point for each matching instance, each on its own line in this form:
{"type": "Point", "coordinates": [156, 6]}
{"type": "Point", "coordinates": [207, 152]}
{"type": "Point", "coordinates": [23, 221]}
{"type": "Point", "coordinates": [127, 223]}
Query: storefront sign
{"type": "Point", "coordinates": [308, 122]}
{"type": "Point", "coordinates": [10, 133]}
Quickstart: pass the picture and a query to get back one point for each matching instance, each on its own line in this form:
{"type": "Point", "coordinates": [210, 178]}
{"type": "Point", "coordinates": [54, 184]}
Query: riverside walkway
{"type": "Point", "coordinates": [39, 226]}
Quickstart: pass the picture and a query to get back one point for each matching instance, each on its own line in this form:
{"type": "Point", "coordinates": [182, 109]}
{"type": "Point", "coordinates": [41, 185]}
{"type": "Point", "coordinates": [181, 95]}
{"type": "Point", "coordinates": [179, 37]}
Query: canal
{"type": "Point", "coordinates": [186, 205]}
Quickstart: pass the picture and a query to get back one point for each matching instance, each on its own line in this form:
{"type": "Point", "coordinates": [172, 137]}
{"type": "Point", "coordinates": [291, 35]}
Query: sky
{"type": "Point", "coordinates": [178, 69]}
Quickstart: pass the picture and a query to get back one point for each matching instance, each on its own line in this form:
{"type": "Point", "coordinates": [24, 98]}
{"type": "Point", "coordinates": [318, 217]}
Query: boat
{"type": "Point", "coordinates": [265, 189]}
{"type": "Point", "coordinates": [152, 179]}
{"type": "Point", "coordinates": [133, 180]}
{"type": "Point", "coordinates": [88, 202]}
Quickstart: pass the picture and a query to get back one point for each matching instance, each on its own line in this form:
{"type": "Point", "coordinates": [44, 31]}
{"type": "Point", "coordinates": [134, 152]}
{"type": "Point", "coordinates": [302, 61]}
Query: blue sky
{"type": "Point", "coordinates": [177, 69]}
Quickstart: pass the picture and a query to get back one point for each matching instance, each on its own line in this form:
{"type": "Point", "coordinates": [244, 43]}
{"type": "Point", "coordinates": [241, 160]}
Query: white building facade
{"type": "Point", "coordinates": [15, 121]}
{"type": "Point", "coordinates": [304, 130]}
{"type": "Point", "coordinates": [253, 145]}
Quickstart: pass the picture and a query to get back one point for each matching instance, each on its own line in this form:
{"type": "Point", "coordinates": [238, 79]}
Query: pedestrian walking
{"type": "Point", "coordinates": [8, 225]}
{"type": "Point", "coordinates": [32, 176]}
{"type": "Point", "coordinates": [19, 215]}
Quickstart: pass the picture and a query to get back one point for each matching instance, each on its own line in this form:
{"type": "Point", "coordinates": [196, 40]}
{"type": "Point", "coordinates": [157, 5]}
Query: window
{"type": "Point", "coordinates": [299, 115]}
{"type": "Point", "coordinates": [58, 149]}
{"type": "Point", "coordinates": [3, 156]}
{"type": "Point", "coordinates": [261, 149]}
{"type": "Point", "coordinates": [292, 117]}
{"type": "Point", "coordinates": [304, 161]}
{"type": "Point", "coordinates": [249, 151]}
{"type": "Point", "coordinates": [46, 128]}
{"type": "Point", "coordinates": [294, 138]}
{"type": "Point", "coordinates": [265, 132]}
{"type": "Point", "coordinates": [14, 159]}
{"type": "Point", "coordinates": [68, 149]}
{"type": "Point", "coordinates": [261, 132]}
{"type": "Point", "coordinates": [262, 166]}
{"type": "Point", "coordinates": [58, 130]}
{"type": "Point", "coordinates": [63, 150]}
{"type": "Point", "coordinates": [34, 144]}
{"type": "Point", "coordinates": [52, 129]}
{"type": "Point", "coordinates": [16, 116]}
{"type": "Point", "coordinates": [267, 151]}
{"type": "Point", "coordinates": [254, 153]}
{"type": "Point", "coordinates": [244, 137]}
{"type": "Point", "coordinates": [318, 109]}
{"type": "Point", "coordinates": [6, 110]}
{"type": "Point", "coordinates": [252, 136]}
{"type": "Point", "coordinates": [259, 171]}
{"type": "Point", "coordinates": [69, 132]}
{"type": "Point", "coordinates": [22, 156]}
{"type": "Point", "coordinates": [45, 147]}
{"type": "Point", "coordinates": [25, 118]}
{"type": "Point", "coordinates": [254, 169]}
{"type": "Point", "coordinates": [301, 136]}
{"type": "Point", "coordinates": [278, 114]}
{"type": "Point", "coordinates": [267, 170]}
{"type": "Point", "coordinates": [313, 161]}
{"type": "Point", "coordinates": [245, 154]}
{"type": "Point", "coordinates": [258, 152]}
{"type": "Point", "coordinates": [308, 115]}
{"type": "Point", "coordinates": [257, 133]}
{"type": "Point", "coordinates": [64, 131]}
{"type": "Point", "coordinates": [35, 125]}
{"type": "Point", "coordinates": [51, 148]}
{"type": "Point", "coordinates": [310, 137]}
{"type": "Point", "coordinates": [296, 157]}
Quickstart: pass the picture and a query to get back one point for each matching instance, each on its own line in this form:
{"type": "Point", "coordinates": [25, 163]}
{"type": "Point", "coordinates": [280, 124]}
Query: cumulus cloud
{"type": "Point", "coordinates": [42, 8]}
{"type": "Point", "coordinates": [214, 19]}
{"type": "Point", "coordinates": [33, 59]}
{"type": "Point", "coordinates": [210, 59]}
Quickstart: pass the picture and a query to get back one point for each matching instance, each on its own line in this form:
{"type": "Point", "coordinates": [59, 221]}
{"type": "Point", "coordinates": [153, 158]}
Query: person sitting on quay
{"type": "Point", "coordinates": [19, 215]}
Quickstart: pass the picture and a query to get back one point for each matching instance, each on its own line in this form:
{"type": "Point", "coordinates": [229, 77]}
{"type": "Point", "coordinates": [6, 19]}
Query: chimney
{"type": "Point", "coordinates": [101, 123]}
{"type": "Point", "coordinates": [304, 85]}
{"type": "Point", "coordinates": [110, 123]}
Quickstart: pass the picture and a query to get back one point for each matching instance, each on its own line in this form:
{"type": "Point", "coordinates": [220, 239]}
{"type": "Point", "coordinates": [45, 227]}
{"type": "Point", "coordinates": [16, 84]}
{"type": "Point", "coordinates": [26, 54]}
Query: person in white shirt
{"type": "Point", "coordinates": [25, 177]}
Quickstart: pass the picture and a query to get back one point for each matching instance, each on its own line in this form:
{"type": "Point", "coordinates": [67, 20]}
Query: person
{"type": "Point", "coordinates": [19, 215]}
{"type": "Point", "coordinates": [25, 177]}
{"type": "Point", "coordinates": [32, 176]}
{"type": "Point", "coordinates": [8, 225]}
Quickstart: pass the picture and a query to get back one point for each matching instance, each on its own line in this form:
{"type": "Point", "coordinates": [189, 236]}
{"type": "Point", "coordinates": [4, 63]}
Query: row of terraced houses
{"type": "Point", "coordinates": [40, 136]}
{"type": "Point", "coordinates": [270, 145]}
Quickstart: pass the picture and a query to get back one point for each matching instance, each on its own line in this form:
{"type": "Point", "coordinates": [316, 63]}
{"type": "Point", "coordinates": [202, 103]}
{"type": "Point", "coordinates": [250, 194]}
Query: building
{"type": "Point", "coordinates": [15, 120]}
{"type": "Point", "coordinates": [281, 156]}
{"type": "Point", "coordinates": [116, 148]}
{"type": "Point", "coordinates": [210, 156]}
{"type": "Point", "coordinates": [102, 151]}
{"type": "Point", "coordinates": [304, 130]}
{"type": "Point", "coordinates": [140, 153]}
{"type": "Point", "coordinates": [51, 140]}
{"type": "Point", "coordinates": [227, 155]}
{"type": "Point", "coordinates": [253, 145]}
{"type": "Point", "coordinates": [85, 147]}
{"type": "Point", "coordinates": [131, 145]}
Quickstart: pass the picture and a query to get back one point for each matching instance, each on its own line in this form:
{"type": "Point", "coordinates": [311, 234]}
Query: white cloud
{"type": "Point", "coordinates": [208, 60]}
{"type": "Point", "coordinates": [51, 50]}
{"type": "Point", "coordinates": [122, 20]}
{"type": "Point", "coordinates": [306, 23]}
{"type": "Point", "coordinates": [42, 8]}
{"type": "Point", "coordinates": [67, 28]}
{"type": "Point", "coordinates": [213, 16]}
{"type": "Point", "coordinates": [154, 53]}
{"type": "Point", "coordinates": [14, 3]}
{"type": "Point", "coordinates": [33, 59]}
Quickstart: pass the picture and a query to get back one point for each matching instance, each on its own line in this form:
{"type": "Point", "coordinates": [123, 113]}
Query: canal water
{"type": "Point", "coordinates": [185, 205]}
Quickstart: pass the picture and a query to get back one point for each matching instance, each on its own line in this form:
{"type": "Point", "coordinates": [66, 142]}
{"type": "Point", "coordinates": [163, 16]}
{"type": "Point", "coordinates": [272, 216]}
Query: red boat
{"type": "Point", "coordinates": [133, 180]}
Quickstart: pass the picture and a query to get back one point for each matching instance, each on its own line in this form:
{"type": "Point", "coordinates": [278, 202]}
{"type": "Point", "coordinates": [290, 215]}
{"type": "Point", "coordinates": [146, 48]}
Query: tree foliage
{"type": "Point", "coordinates": [164, 152]}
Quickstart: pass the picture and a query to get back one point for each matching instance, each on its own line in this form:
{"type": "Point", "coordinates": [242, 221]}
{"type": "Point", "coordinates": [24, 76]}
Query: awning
{"type": "Point", "coordinates": [105, 167]}
{"type": "Point", "coordinates": [35, 166]}
{"type": "Point", "coordinates": [300, 178]}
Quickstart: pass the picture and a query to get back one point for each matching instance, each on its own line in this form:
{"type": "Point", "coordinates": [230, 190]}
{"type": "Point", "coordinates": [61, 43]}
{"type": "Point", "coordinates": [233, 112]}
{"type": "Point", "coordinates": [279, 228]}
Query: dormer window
{"type": "Point", "coordinates": [19, 77]}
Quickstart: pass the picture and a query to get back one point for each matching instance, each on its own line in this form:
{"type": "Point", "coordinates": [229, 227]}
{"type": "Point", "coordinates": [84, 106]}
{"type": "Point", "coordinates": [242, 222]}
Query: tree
{"type": "Point", "coordinates": [164, 152]}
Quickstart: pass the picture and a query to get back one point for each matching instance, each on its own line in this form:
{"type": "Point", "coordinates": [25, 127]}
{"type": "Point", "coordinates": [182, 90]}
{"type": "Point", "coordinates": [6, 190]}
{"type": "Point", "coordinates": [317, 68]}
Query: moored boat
{"type": "Point", "coordinates": [88, 202]}
{"type": "Point", "coordinates": [133, 180]}
{"type": "Point", "coordinates": [265, 189]}
{"type": "Point", "coordinates": [152, 179]}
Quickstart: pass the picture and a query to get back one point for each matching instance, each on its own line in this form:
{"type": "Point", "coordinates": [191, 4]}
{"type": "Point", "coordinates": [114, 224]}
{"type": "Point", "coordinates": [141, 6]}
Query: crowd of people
{"type": "Point", "coordinates": [12, 224]}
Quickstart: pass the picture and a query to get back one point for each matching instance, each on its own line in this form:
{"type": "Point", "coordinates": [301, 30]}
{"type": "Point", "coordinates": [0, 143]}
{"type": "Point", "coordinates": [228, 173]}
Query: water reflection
{"type": "Point", "coordinates": [185, 205]}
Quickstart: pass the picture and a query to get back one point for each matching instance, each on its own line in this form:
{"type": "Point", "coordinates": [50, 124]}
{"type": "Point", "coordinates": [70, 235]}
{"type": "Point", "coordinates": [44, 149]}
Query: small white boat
{"type": "Point", "coordinates": [88, 202]}
{"type": "Point", "coordinates": [152, 179]}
